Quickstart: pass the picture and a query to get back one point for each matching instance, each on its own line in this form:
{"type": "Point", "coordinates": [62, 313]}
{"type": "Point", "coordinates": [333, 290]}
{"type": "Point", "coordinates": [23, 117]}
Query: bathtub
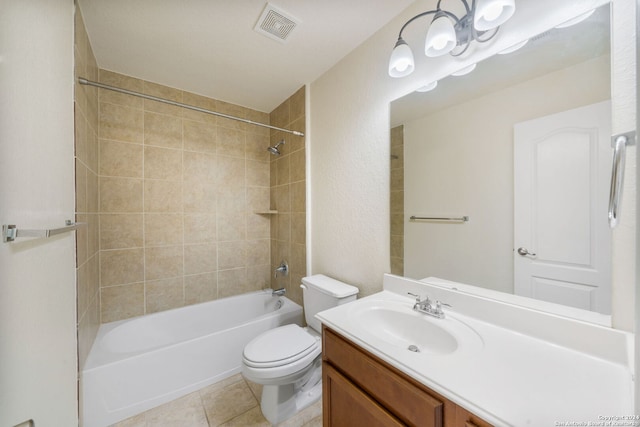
{"type": "Point", "coordinates": [137, 364]}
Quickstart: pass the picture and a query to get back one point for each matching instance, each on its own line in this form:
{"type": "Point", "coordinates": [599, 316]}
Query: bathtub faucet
{"type": "Point", "coordinates": [278, 292]}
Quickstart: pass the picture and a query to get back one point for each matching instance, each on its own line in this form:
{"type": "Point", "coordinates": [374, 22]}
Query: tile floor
{"type": "Point", "coordinates": [233, 402]}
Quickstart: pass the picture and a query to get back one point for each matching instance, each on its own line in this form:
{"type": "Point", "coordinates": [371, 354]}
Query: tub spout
{"type": "Point", "coordinates": [278, 292]}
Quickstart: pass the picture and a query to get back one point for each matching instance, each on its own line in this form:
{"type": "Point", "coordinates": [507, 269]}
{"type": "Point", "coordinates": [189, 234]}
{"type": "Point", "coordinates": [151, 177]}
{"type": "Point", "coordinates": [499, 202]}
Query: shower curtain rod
{"type": "Point", "coordinates": [84, 81]}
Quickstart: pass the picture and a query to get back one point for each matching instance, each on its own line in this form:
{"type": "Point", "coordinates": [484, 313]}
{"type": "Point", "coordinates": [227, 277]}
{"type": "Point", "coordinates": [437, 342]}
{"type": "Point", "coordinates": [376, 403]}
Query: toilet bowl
{"type": "Point", "coordinates": [287, 360]}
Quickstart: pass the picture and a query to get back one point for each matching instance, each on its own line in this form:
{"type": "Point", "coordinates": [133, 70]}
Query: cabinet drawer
{"type": "Point", "coordinates": [392, 389]}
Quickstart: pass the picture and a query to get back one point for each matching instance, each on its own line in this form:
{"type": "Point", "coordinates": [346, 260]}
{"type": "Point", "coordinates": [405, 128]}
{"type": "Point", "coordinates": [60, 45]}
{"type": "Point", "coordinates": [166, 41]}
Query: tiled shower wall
{"type": "Point", "coordinates": [178, 194]}
{"type": "Point", "coordinates": [86, 164]}
{"type": "Point", "coordinates": [288, 226]}
{"type": "Point", "coordinates": [170, 197]}
{"type": "Point", "coordinates": [397, 200]}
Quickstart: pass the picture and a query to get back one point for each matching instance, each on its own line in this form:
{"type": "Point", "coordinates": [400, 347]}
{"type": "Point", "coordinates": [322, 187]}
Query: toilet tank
{"type": "Point", "coordinates": [320, 292]}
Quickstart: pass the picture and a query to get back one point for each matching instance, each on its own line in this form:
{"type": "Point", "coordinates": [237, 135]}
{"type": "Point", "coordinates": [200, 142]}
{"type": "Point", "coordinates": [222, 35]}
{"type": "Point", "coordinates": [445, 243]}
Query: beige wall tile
{"type": "Point", "coordinates": [231, 226]}
{"type": "Point", "coordinates": [200, 102]}
{"type": "Point", "coordinates": [231, 110]}
{"type": "Point", "coordinates": [82, 241]}
{"type": "Point", "coordinates": [297, 142]}
{"type": "Point", "coordinates": [257, 199]}
{"type": "Point", "coordinates": [93, 195]}
{"type": "Point", "coordinates": [120, 231]}
{"type": "Point", "coordinates": [92, 150]}
{"type": "Point", "coordinates": [81, 187]}
{"type": "Point", "coordinates": [284, 227]}
{"type": "Point", "coordinates": [298, 196]}
{"type": "Point", "coordinates": [258, 173]}
{"type": "Point", "coordinates": [200, 228]}
{"type": "Point", "coordinates": [256, 145]}
{"type": "Point", "coordinates": [231, 142]}
{"type": "Point", "coordinates": [199, 196]}
{"type": "Point", "coordinates": [93, 233]}
{"type": "Point", "coordinates": [199, 136]}
{"type": "Point", "coordinates": [234, 282]}
{"type": "Point", "coordinates": [80, 134]}
{"type": "Point", "coordinates": [280, 117]}
{"type": "Point", "coordinates": [163, 262]}
{"type": "Point", "coordinates": [120, 159]}
{"type": "Point", "coordinates": [283, 198]}
{"type": "Point", "coordinates": [258, 252]}
{"type": "Point", "coordinates": [165, 92]}
{"type": "Point", "coordinates": [163, 230]}
{"type": "Point", "coordinates": [125, 82]}
{"type": "Point", "coordinates": [201, 167]}
{"type": "Point", "coordinates": [232, 200]}
{"type": "Point", "coordinates": [231, 172]}
{"type": "Point", "coordinates": [162, 130]}
{"type": "Point", "coordinates": [121, 123]}
{"type": "Point", "coordinates": [121, 302]}
{"type": "Point", "coordinates": [258, 226]}
{"type": "Point", "coordinates": [297, 166]}
{"type": "Point", "coordinates": [298, 228]}
{"type": "Point", "coordinates": [200, 288]}
{"type": "Point", "coordinates": [162, 163]}
{"type": "Point", "coordinates": [163, 196]}
{"type": "Point", "coordinates": [163, 294]}
{"type": "Point", "coordinates": [200, 258]}
{"type": "Point", "coordinates": [120, 194]}
{"type": "Point", "coordinates": [122, 266]}
{"type": "Point", "coordinates": [232, 254]}
{"type": "Point", "coordinates": [259, 276]}
{"type": "Point", "coordinates": [283, 170]}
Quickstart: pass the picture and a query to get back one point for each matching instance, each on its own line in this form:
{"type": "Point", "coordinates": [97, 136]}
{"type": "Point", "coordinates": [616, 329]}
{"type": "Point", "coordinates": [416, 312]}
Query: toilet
{"type": "Point", "coordinates": [287, 360]}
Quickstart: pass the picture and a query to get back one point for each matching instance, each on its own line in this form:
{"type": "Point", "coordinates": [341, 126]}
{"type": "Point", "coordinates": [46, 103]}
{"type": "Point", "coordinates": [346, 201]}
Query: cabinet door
{"type": "Point", "coordinates": [346, 405]}
{"type": "Point", "coordinates": [465, 418]}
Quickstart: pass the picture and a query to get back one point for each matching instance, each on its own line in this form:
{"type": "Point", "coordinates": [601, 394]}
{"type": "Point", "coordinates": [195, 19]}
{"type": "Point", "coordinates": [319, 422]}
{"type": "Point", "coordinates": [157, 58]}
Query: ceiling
{"type": "Point", "coordinates": [209, 47]}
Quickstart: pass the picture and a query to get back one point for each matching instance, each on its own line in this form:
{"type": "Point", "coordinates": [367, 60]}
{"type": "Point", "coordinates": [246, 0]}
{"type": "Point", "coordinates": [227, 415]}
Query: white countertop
{"type": "Point", "coordinates": [504, 375]}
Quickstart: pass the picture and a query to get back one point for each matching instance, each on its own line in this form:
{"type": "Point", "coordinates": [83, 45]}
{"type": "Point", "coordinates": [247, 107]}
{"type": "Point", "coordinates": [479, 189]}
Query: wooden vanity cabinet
{"type": "Point", "coordinates": [360, 389]}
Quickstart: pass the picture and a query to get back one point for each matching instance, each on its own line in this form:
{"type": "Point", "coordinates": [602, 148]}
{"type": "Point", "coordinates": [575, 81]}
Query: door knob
{"type": "Point", "coordinates": [524, 252]}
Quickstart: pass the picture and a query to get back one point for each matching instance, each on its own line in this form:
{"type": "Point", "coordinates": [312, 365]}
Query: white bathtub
{"type": "Point", "coordinates": [137, 364]}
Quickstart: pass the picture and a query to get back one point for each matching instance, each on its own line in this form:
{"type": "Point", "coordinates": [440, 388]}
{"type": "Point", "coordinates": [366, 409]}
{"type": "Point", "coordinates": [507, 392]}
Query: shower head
{"type": "Point", "coordinates": [274, 149]}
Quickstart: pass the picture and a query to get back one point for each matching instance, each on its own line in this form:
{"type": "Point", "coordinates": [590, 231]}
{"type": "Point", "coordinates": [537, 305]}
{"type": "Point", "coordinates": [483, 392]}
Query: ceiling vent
{"type": "Point", "coordinates": [275, 23]}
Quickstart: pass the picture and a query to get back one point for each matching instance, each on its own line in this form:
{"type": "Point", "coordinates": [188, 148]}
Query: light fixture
{"type": "Point", "coordinates": [576, 20]}
{"type": "Point", "coordinates": [451, 34]}
{"type": "Point", "coordinates": [513, 48]}
{"type": "Point", "coordinates": [464, 71]}
{"type": "Point", "coordinates": [428, 87]}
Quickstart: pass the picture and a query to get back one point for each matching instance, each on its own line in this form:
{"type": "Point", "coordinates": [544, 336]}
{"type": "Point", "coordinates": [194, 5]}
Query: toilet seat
{"type": "Point", "coordinates": [280, 346]}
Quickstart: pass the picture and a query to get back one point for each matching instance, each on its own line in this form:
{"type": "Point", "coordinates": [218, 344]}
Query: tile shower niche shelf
{"type": "Point", "coordinates": [271, 212]}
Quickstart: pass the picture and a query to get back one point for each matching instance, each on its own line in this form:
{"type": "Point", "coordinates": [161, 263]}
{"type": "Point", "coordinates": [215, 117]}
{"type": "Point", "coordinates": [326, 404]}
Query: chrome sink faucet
{"type": "Point", "coordinates": [427, 307]}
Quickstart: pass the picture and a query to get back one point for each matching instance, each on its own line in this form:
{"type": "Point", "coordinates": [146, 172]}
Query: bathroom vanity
{"type": "Point", "coordinates": [486, 363]}
{"type": "Point", "coordinates": [361, 389]}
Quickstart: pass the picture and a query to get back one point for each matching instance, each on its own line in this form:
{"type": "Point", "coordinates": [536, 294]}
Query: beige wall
{"type": "Point", "coordinates": [288, 197]}
{"type": "Point", "coordinates": [481, 153]}
{"type": "Point", "coordinates": [86, 164]}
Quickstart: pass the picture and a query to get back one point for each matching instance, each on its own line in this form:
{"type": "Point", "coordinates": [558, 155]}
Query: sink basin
{"type": "Point", "coordinates": [406, 329]}
{"type": "Point", "coordinates": [399, 326]}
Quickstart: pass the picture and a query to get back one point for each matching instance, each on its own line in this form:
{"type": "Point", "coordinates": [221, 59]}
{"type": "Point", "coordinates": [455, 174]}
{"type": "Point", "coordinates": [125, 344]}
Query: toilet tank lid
{"type": "Point", "coordinates": [330, 286]}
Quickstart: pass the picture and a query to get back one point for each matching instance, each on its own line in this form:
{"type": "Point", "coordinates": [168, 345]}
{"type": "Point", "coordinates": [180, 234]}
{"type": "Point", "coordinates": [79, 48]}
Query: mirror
{"type": "Point", "coordinates": [514, 147]}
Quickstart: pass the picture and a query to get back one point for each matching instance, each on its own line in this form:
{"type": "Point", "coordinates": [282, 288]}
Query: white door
{"type": "Point", "coordinates": [38, 361]}
{"type": "Point", "coordinates": [562, 241]}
